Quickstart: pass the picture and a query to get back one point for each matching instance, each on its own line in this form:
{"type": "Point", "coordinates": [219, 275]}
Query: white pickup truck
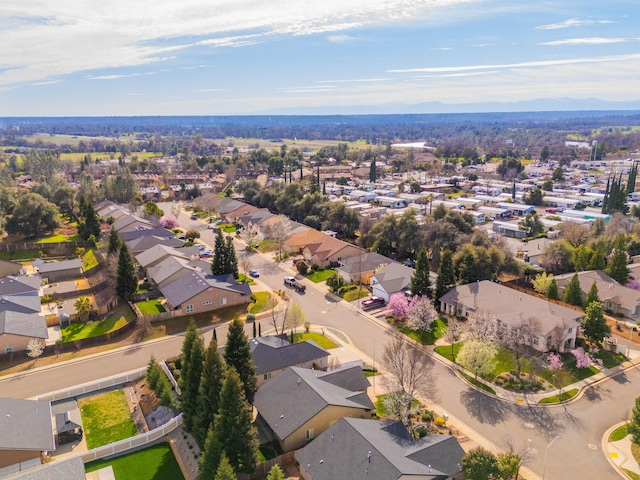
{"type": "Point", "coordinates": [293, 283]}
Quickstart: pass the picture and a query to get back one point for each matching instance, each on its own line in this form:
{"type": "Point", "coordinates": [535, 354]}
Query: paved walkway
{"type": "Point", "coordinates": [619, 453]}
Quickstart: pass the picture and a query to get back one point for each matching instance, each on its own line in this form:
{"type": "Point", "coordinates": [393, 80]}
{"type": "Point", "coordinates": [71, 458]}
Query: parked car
{"type": "Point", "coordinates": [200, 246]}
{"type": "Point", "coordinates": [206, 253]}
{"type": "Point", "coordinates": [194, 216]}
{"type": "Point", "coordinates": [254, 273]}
{"type": "Point", "coordinates": [211, 226]}
{"type": "Point", "coordinates": [372, 302]}
{"type": "Point", "coordinates": [182, 237]}
{"type": "Point", "coordinates": [293, 283]}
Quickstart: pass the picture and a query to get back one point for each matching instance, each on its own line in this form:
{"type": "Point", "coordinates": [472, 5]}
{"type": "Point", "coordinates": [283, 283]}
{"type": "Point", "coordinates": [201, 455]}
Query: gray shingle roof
{"type": "Point", "coordinates": [197, 282]}
{"type": "Point", "coordinates": [168, 267]}
{"type": "Point", "coordinates": [608, 288]}
{"type": "Point", "coordinates": [25, 425]}
{"type": "Point", "coordinates": [394, 277]}
{"type": "Point", "coordinates": [141, 244]}
{"type": "Point", "coordinates": [20, 303]}
{"type": "Point", "coordinates": [69, 469]}
{"type": "Point", "coordinates": [295, 396]}
{"type": "Point", "coordinates": [154, 232]}
{"type": "Point", "coordinates": [22, 285]}
{"type": "Point", "coordinates": [275, 353]}
{"type": "Point", "coordinates": [360, 449]}
{"type": "Point", "coordinates": [49, 267]}
{"type": "Point", "coordinates": [364, 263]}
{"type": "Point", "coordinates": [23, 324]}
{"type": "Point", "coordinates": [156, 253]}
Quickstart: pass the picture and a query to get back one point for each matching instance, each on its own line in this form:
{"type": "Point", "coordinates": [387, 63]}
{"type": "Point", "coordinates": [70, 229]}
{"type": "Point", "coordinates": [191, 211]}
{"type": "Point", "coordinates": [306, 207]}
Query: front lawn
{"type": "Point", "coordinates": [320, 275]}
{"type": "Point", "coordinates": [260, 305]}
{"type": "Point", "coordinates": [153, 463]}
{"type": "Point", "coordinates": [106, 418]}
{"type": "Point", "coordinates": [381, 410]}
{"type": "Point", "coordinates": [243, 278]}
{"type": "Point", "coordinates": [445, 351]}
{"type": "Point", "coordinates": [150, 307]}
{"type": "Point", "coordinates": [560, 398]}
{"type": "Point", "coordinates": [320, 339]}
{"type": "Point", "coordinates": [355, 294]}
{"type": "Point", "coordinates": [427, 338]}
{"type": "Point", "coordinates": [117, 319]}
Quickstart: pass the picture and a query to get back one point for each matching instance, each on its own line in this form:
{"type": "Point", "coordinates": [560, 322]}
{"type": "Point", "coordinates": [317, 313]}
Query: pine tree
{"type": "Point", "coordinates": [234, 427]}
{"type": "Point", "coordinates": [190, 373]}
{"type": "Point", "coordinates": [114, 242]}
{"type": "Point", "coordinates": [594, 325]}
{"type": "Point", "coordinates": [572, 293]}
{"type": "Point", "coordinates": [552, 290]}
{"type": "Point", "coordinates": [152, 373]}
{"type": "Point", "coordinates": [90, 224]}
{"type": "Point", "coordinates": [209, 390]}
{"type": "Point", "coordinates": [211, 457]}
{"type": "Point", "coordinates": [421, 282]}
{"type": "Point", "coordinates": [275, 473]}
{"type": "Point", "coordinates": [126, 278]}
{"type": "Point", "coordinates": [225, 470]}
{"type": "Point", "coordinates": [618, 268]}
{"type": "Point", "coordinates": [231, 259]}
{"type": "Point", "coordinates": [446, 278]}
{"type": "Point", "coordinates": [467, 269]}
{"type": "Point", "coordinates": [598, 260]}
{"type": "Point", "coordinates": [219, 256]}
{"type": "Point", "coordinates": [372, 170]}
{"type": "Point", "coordinates": [254, 329]}
{"type": "Point", "coordinates": [259, 330]}
{"type": "Point", "coordinates": [237, 354]}
{"type": "Point", "coordinates": [592, 296]}
{"type": "Point", "coordinates": [631, 181]}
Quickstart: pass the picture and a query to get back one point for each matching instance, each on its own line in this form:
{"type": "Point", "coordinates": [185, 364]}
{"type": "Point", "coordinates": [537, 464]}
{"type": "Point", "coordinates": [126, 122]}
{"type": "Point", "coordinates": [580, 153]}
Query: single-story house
{"type": "Point", "coordinates": [557, 325]}
{"type": "Point", "coordinates": [159, 253]}
{"type": "Point", "coordinates": [60, 271]}
{"type": "Point", "coordinates": [146, 232]}
{"type": "Point", "coordinates": [273, 353]}
{"type": "Point", "coordinates": [131, 222]}
{"type": "Point", "coordinates": [16, 329]}
{"type": "Point", "coordinates": [297, 240]}
{"type": "Point", "coordinates": [362, 196]}
{"type": "Point", "coordinates": [360, 449]}
{"type": "Point", "coordinates": [508, 229]}
{"type": "Point", "coordinates": [616, 298]}
{"type": "Point", "coordinates": [26, 433]}
{"type": "Point", "coordinates": [391, 202]}
{"type": "Point", "coordinates": [393, 278]}
{"type": "Point", "coordinates": [169, 270]}
{"type": "Point", "coordinates": [330, 251]}
{"type": "Point", "coordinates": [300, 404]}
{"type": "Point", "coordinates": [142, 244]}
{"type": "Point", "coordinates": [362, 267]}
{"type": "Point", "coordinates": [21, 285]}
{"type": "Point", "coordinates": [20, 304]}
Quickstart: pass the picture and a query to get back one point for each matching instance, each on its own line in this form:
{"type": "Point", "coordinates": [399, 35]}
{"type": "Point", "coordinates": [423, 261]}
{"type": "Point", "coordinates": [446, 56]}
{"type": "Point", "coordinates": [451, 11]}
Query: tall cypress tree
{"type": "Point", "coordinates": [552, 290]}
{"type": "Point", "coordinates": [592, 296]}
{"type": "Point", "coordinates": [237, 354]}
{"type": "Point", "coordinates": [372, 170]}
{"type": "Point", "coordinates": [211, 457]}
{"type": "Point", "coordinates": [572, 293]}
{"type": "Point", "coordinates": [209, 392]}
{"type": "Point", "coordinates": [225, 470]}
{"type": "Point", "coordinates": [234, 429]}
{"type": "Point", "coordinates": [190, 373]}
{"type": "Point", "coordinates": [90, 225]}
{"type": "Point", "coordinates": [618, 268]}
{"type": "Point", "coordinates": [219, 255]}
{"type": "Point", "coordinates": [231, 258]}
{"type": "Point", "coordinates": [420, 282]}
{"type": "Point", "coordinates": [126, 278]}
{"type": "Point", "coordinates": [446, 277]}
{"type": "Point", "coordinates": [114, 242]}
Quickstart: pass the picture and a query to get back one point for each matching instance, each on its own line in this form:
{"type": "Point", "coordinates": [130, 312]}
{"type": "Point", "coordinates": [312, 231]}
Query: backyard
{"type": "Point", "coordinates": [89, 260]}
{"type": "Point", "coordinates": [153, 463]}
{"type": "Point", "coordinates": [106, 418]}
{"type": "Point", "coordinates": [150, 307]}
{"type": "Point", "coordinates": [117, 319]}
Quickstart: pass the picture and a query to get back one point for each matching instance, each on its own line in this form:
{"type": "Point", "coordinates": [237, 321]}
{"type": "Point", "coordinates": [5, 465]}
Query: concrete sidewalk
{"type": "Point", "coordinates": [619, 453]}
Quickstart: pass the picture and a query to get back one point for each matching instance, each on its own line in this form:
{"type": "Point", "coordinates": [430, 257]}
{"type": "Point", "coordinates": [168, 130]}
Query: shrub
{"type": "Point", "coordinates": [302, 268]}
{"type": "Point", "coordinates": [426, 417]}
{"type": "Point", "coordinates": [251, 317]}
{"type": "Point", "coordinates": [422, 432]}
{"type": "Point", "coordinates": [307, 326]}
{"type": "Point", "coordinates": [440, 422]}
{"type": "Point", "coordinates": [45, 299]}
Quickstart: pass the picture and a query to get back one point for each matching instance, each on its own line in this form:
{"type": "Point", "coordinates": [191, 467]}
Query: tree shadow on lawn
{"type": "Point", "coordinates": [484, 408]}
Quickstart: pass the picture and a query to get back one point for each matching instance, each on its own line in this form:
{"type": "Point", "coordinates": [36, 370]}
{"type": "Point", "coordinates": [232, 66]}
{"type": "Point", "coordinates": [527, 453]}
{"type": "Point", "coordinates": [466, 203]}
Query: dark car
{"type": "Point", "coordinates": [372, 302]}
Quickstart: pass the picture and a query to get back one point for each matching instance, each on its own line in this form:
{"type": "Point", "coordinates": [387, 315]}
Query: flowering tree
{"type": "Point", "coordinates": [635, 284]}
{"type": "Point", "coordinates": [422, 314]}
{"type": "Point", "coordinates": [169, 221]}
{"type": "Point", "coordinates": [583, 359]}
{"type": "Point", "coordinates": [555, 361]}
{"type": "Point", "coordinates": [398, 305]}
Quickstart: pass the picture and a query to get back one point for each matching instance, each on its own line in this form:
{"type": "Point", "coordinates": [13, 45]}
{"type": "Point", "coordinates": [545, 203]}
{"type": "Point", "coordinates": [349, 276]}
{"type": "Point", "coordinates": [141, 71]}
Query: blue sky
{"type": "Point", "coordinates": [218, 57]}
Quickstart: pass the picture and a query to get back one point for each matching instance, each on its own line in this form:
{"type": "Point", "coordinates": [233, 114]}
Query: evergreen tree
{"type": "Point", "coordinates": [152, 373]}
{"type": "Point", "coordinates": [572, 293]}
{"type": "Point", "coordinates": [190, 374]}
{"type": "Point", "coordinates": [215, 335]}
{"type": "Point", "coordinates": [234, 428]}
{"type": "Point", "coordinates": [552, 291]}
{"type": "Point", "coordinates": [446, 277]}
{"type": "Point", "coordinates": [237, 354]}
{"type": "Point", "coordinates": [480, 464]}
{"type": "Point", "coordinates": [126, 278]}
{"type": "Point", "coordinates": [219, 256]}
{"type": "Point", "coordinates": [598, 260]}
{"type": "Point", "coordinates": [594, 325]}
{"type": "Point", "coordinates": [275, 473]}
{"type": "Point", "coordinates": [231, 259]}
{"type": "Point", "coordinates": [90, 225]}
{"type": "Point", "coordinates": [372, 170]}
{"type": "Point", "coordinates": [420, 282]}
{"type": "Point", "coordinates": [259, 330]}
{"type": "Point", "coordinates": [592, 296]}
{"type": "Point", "coordinates": [631, 181]}
{"type": "Point", "coordinates": [633, 427]}
{"type": "Point", "coordinates": [467, 269]}
{"type": "Point", "coordinates": [225, 470]}
{"type": "Point", "coordinates": [254, 329]}
{"type": "Point", "coordinates": [618, 268]}
{"type": "Point", "coordinates": [211, 457]}
{"type": "Point", "coordinates": [114, 242]}
{"type": "Point", "coordinates": [209, 392]}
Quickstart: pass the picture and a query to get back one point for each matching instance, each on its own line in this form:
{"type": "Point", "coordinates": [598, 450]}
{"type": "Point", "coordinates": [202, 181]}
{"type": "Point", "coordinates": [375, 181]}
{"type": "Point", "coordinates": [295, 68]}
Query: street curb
{"type": "Point", "coordinates": [605, 449]}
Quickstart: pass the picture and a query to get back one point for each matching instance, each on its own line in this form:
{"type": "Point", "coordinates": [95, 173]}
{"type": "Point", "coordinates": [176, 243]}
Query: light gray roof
{"type": "Point", "coordinates": [21, 285]}
{"type": "Point", "coordinates": [156, 253]}
{"type": "Point", "coordinates": [360, 449]}
{"type": "Point", "coordinates": [25, 425]}
{"type": "Point", "coordinates": [145, 232]}
{"type": "Point", "coordinates": [394, 277]}
{"type": "Point", "coordinates": [20, 303]}
{"type": "Point", "coordinates": [50, 267]}
{"type": "Point", "coordinates": [364, 263]}
{"type": "Point", "coordinates": [608, 288]}
{"type": "Point", "coordinates": [141, 244]}
{"type": "Point", "coordinates": [69, 469]}
{"type": "Point", "coordinates": [273, 352]}
{"type": "Point", "coordinates": [23, 324]}
{"type": "Point", "coordinates": [509, 305]}
{"type": "Point", "coordinates": [295, 396]}
{"type": "Point", "coordinates": [197, 282]}
{"type": "Point", "coordinates": [168, 267]}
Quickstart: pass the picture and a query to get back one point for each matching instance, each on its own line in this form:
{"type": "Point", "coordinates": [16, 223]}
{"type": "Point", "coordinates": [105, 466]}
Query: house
{"type": "Point", "coordinates": [146, 232]}
{"type": "Point", "coordinates": [142, 244]}
{"type": "Point", "coordinates": [617, 299]}
{"type": "Point", "coordinates": [22, 285]}
{"type": "Point", "coordinates": [391, 202]}
{"type": "Point", "coordinates": [169, 270]}
{"type": "Point", "coordinates": [362, 267]}
{"type": "Point", "coordinates": [157, 254]}
{"type": "Point", "coordinates": [27, 304]}
{"type": "Point", "coordinates": [362, 196]}
{"type": "Point", "coordinates": [300, 404]}
{"type": "Point", "coordinates": [131, 222]}
{"type": "Point", "coordinates": [505, 307]}
{"type": "Point", "coordinates": [360, 449]}
{"type": "Point", "coordinates": [199, 292]}
{"type": "Point", "coordinates": [10, 268]}
{"type": "Point", "coordinates": [71, 468]}
{"type": "Point", "coordinates": [394, 278]}
{"type": "Point", "coordinates": [26, 434]}
{"type": "Point", "coordinates": [60, 271]}
{"type": "Point", "coordinates": [17, 328]}
{"type": "Point", "coordinates": [300, 239]}
{"type": "Point", "coordinates": [273, 353]}
{"type": "Point", "coordinates": [330, 251]}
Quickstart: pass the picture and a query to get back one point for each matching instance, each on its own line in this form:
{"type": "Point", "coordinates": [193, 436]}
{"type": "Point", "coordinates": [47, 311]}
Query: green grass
{"type": "Point", "coordinates": [369, 373]}
{"type": "Point", "coordinates": [381, 410]}
{"type": "Point", "coordinates": [244, 278]}
{"type": "Point", "coordinates": [427, 338]}
{"type": "Point", "coordinates": [150, 307]}
{"type": "Point", "coordinates": [19, 255]}
{"type": "Point", "coordinates": [635, 451]}
{"type": "Point", "coordinates": [320, 339]}
{"type": "Point", "coordinates": [631, 475]}
{"type": "Point", "coordinates": [89, 260]}
{"type": "Point", "coordinates": [59, 239]}
{"type": "Point", "coordinates": [267, 246]}
{"type": "Point", "coordinates": [619, 433]}
{"type": "Point", "coordinates": [320, 275]}
{"type": "Point", "coordinates": [118, 318]}
{"type": "Point", "coordinates": [609, 359]}
{"type": "Point", "coordinates": [477, 383]}
{"type": "Point", "coordinates": [266, 452]}
{"type": "Point", "coordinates": [228, 227]}
{"type": "Point", "coordinates": [260, 305]}
{"type": "Point", "coordinates": [106, 418]}
{"type": "Point", "coordinates": [153, 463]}
{"type": "Point", "coordinates": [355, 294]}
{"type": "Point", "coordinates": [560, 398]}
{"type": "Point", "coordinates": [445, 351]}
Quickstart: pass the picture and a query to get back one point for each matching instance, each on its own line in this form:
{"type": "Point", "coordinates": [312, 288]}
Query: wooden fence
{"type": "Point", "coordinates": [262, 469]}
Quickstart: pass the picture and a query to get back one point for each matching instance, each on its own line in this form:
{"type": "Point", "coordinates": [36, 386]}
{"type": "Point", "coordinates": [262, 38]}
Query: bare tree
{"type": "Point", "coordinates": [249, 235]}
{"type": "Point", "coordinates": [408, 373]}
{"type": "Point", "coordinates": [35, 348]}
{"type": "Point", "coordinates": [245, 264]}
{"type": "Point", "coordinates": [452, 333]}
{"type": "Point", "coordinates": [519, 336]}
{"type": "Point", "coordinates": [279, 232]}
{"type": "Point", "coordinates": [575, 234]}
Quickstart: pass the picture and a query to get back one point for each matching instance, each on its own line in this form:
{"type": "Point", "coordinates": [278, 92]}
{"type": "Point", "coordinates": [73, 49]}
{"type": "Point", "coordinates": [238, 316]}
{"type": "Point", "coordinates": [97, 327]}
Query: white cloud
{"type": "Point", "coordinates": [341, 38]}
{"type": "Point", "coordinates": [585, 41]}
{"type": "Point", "coordinates": [356, 80]}
{"type": "Point", "coordinates": [454, 75]}
{"type": "Point", "coordinates": [442, 49]}
{"type": "Point", "coordinates": [573, 22]}
{"type": "Point", "coordinates": [50, 82]}
{"type": "Point", "coordinates": [43, 38]}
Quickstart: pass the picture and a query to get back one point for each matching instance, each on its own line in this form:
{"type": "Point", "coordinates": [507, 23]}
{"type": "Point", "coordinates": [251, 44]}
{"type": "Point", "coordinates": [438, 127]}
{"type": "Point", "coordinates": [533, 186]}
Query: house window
{"type": "Point", "coordinates": [207, 302]}
{"type": "Point", "coordinates": [267, 376]}
{"type": "Point", "coordinates": [189, 308]}
{"type": "Point", "coordinates": [9, 350]}
{"type": "Point", "coordinates": [570, 330]}
{"type": "Point", "coordinates": [308, 435]}
{"type": "Point", "coordinates": [535, 341]}
{"type": "Point", "coordinates": [223, 301]}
